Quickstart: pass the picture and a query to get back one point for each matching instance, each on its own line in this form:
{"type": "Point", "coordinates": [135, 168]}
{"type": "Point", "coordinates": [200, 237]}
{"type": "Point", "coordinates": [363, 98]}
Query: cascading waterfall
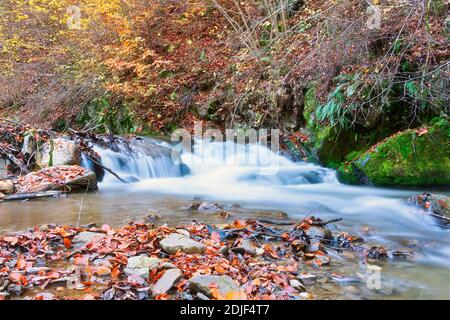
{"type": "Point", "coordinates": [137, 160]}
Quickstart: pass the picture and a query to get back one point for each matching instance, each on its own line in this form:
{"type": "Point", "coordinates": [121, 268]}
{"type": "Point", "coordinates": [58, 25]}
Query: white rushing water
{"type": "Point", "coordinates": [254, 176]}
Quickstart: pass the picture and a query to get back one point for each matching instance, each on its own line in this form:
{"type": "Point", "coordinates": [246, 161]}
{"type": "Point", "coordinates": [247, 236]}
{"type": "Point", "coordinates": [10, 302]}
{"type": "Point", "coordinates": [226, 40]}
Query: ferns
{"type": "Point", "coordinates": [335, 110]}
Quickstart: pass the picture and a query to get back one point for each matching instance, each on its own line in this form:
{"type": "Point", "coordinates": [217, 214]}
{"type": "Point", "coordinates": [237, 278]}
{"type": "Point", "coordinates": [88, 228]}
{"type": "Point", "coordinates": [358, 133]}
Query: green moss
{"type": "Point", "coordinates": [311, 103]}
{"type": "Point", "coordinates": [346, 174]}
{"type": "Point", "coordinates": [411, 158]}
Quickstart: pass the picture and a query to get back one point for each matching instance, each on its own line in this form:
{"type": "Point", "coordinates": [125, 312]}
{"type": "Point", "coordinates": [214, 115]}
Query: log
{"type": "Point", "coordinates": [32, 195]}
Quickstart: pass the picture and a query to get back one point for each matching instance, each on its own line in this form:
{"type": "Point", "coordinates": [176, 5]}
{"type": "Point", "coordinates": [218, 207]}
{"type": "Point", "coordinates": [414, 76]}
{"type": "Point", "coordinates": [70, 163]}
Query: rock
{"type": "Point", "coordinates": [64, 178]}
{"type": "Point", "coordinates": [15, 289]}
{"type": "Point", "coordinates": [259, 251]}
{"type": "Point", "coordinates": [6, 186]}
{"type": "Point", "coordinates": [4, 296]}
{"type": "Point", "coordinates": [414, 157]}
{"type": "Point", "coordinates": [45, 296]}
{"type": "Point", "coordinates": [307, 278]}
{"type": "Point", "coordinates": [85, 237]}
{"type": "Point", "coordinates": [224, 250]}
{"type": "Point", "coordinates": [318, 234]}
{"type": "Point", "coordinates": [36, 270]}
{"type": "Point", "coordinates": [207, 206]}
{"type": "Point", "coordinates": [246, 247]}
{"type": "Point", "coordinates": [166, 282]}
{"type": "Point", "coordinates": [29, 145]}
{"type": "Point", "coordinates": [438, 204]}
{"type": "Point", "coordinates": [58, 152]}
{"type": "Point", "coordinates": [204, 284]}
{"type": "Point", "coordinates": [2, 196]}
{"type": "Point", "coordinates": [183, 232]}
{"type": "Point", "coordinates": [141, 265]}
{"type": "Point", "coordinates": [297, 285]}
{"type": "Point", "coordinates": [175, 241]}
{"type": "Point", "coordinates": [201, 296]}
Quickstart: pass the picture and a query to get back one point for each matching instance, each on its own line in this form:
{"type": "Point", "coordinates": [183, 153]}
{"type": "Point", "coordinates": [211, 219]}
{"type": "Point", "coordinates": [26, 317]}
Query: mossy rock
{"type": "Point", "coordinates": [419, 158]}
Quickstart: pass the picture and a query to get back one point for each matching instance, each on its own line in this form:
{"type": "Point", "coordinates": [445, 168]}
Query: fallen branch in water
{"type": "Point", "coordinates": [275, 222]}
{"type": "Point", "coordinates": [32, 195]}
{"type": "Point", "coordinates": [11, 121]}
{"type": "Point", "coordinates": [107, 169]}
{"type": "Point", "coordinates": [324, 223]}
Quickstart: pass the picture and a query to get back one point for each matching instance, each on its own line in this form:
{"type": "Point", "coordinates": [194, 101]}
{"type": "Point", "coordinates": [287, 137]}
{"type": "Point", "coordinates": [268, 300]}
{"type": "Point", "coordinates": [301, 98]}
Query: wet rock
{"type": "Point", "coordinates": [85, 237]}
{"type": "Point", "coordinates": [225, 250]}
{"type": "Point", "coordinates": [166, 282]}
{"type": "Point", "coordinates": [204, 284]}
{"type": "Point", "coordinates": [58, 152]}
{"type": "Point", "coordinates": [175, 241]}
{"type": "Point", "coordinates": [183, 232]}
{"type": "Point", "coordinates": [6, 187]}
{"type": "Point", "coordinates": [260, 251]}
{"type": "Point", "coordinates": [207, 206]}
{"type": "Point", "coordinates": [438, 204]}
{"type": "Point", "coordinates": [64, 178]}
{"type": "Point", "coordinates": [36, 270]}
{"type": "Point", "coordinates": [4, 296]}
{"type": "Point", "coordinates": [15, 289]}
{"type": "Point", "coordinates": [316, 246]}
{"type": "Point", "coordinates": [377, 253]}
{"type": "Point", "coordinates": [201, 296]}
{"type": "Point", "coordinates": [307, 278]}
{"type": "Point", "coordinates": [344, 280]}
{"type": "Point", "coordinates": [45, 296]}
{"type": "Point", "coordinates": [104, 262]}
{"type": "Point", "coordinates": [319, 234]}
{"type": "Point", "coordinates": [151, 218]}
{"type": "Point", "coordinates": [297, 285]}
{"type": "Point", "coordinates": [141, 265]}
{"type": "Point", "coordinates": [246, 247]}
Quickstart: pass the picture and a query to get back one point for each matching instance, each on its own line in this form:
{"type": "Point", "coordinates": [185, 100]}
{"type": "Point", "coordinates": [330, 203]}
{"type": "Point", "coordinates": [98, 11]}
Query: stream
{"type": "Point", "coordinates": [262, 183]}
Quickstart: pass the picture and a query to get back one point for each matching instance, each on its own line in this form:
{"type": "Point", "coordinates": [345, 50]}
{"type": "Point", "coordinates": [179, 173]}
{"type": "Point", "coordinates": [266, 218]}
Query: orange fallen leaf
{"type": "Point", "coordinates": [67, 243]}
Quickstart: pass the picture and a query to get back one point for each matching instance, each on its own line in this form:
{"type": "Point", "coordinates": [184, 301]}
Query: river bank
{"type": "Point", "coordinates": [244, 259]}
{"type": "Point", "coordinates": [269, 255]}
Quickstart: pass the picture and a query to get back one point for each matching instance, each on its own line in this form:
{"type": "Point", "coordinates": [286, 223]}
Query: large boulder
{"type": "Point", "coordinates": [59, 151]}
{"type": "Point", "coordinates": [6, 187]}
{"type": "Point", "coordinates": [419, 157]}
{"type": "Point", "coordinates": [65, 178]}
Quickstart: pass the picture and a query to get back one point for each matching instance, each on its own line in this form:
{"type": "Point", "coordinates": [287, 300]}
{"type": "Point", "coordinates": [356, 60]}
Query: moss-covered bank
{"type": "Point", "coordinates": [419, 157]}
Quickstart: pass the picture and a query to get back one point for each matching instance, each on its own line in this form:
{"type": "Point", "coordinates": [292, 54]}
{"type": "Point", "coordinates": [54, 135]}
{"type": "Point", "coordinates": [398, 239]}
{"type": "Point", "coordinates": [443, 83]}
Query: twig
{"type": "Point", "coordinates": [107, 169]}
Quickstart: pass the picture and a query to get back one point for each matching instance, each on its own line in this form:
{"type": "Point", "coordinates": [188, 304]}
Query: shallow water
{"type": "Point", "coordinates": [262, 188]}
